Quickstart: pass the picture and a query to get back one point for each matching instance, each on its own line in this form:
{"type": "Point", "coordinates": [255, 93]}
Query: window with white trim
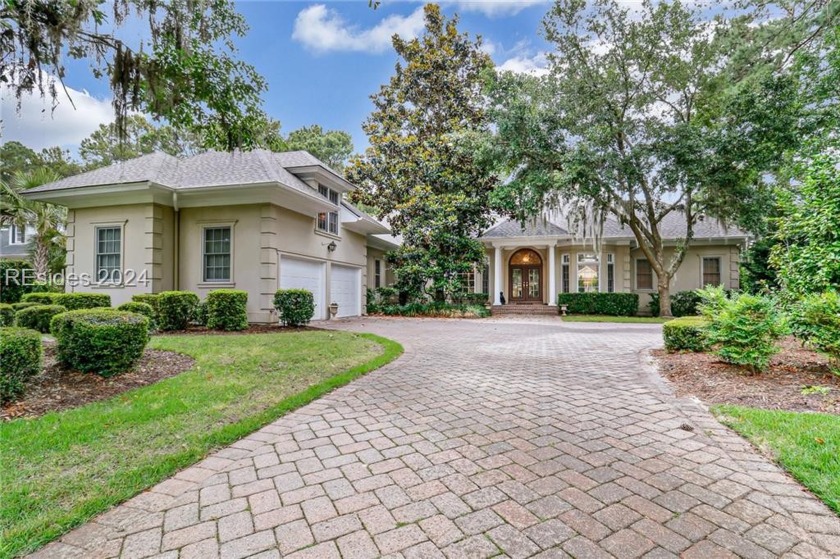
{"type": "Point", "coordinates": [109, 254]}
{"type": "Point", "coordinates": [565, 264]}
{"type": "Point", "coordinates": [485, 278]}
{"type": "Point", "coordinates": [328, 221]}
{"type": "Point", "coordinates": [644, 274]}
{"type": "Point", "coordinates": [377, 273]}
{"type": "Point", "coordinates": [217, 254]}
{"type": "Point", "coordinates": [587, 272]}
{"type": "Point", "coordinates": [711, 271]}
{"type": "Point", "coordinates": [610, 273]}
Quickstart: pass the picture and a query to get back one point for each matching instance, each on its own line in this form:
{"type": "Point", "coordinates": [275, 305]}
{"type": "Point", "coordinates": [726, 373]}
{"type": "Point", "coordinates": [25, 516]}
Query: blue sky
{"type": "Point", "coordinates": [322, 61]}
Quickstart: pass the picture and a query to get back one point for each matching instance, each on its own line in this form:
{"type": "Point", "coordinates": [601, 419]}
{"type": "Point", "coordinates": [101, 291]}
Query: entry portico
{"type": "Point", "coordinates": [531, 263]}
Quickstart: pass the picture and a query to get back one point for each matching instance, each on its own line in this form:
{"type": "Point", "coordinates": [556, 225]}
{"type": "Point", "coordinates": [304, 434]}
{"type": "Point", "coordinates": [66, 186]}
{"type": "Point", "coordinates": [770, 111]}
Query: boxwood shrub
{"type": "Point", "coordinates": [148, 298]}
{"type": "Point", "coordinates": [45, 298]}
{"type": "Point", "coordinates": [38, 317]}
{"type": "Point", "coordinates": [176, 309]}
{"type": "Point", "coordinates": [16, 280]}
{"type": "Point", "coordinates": [609, 304]}
{"type": "Point", "coordinates": [200, 317]}
{"type": "Point", "coordinates": [77, 301]}
{"type": "Point", "coordinates": [226, 309]}
{"type": "Point", "coordinates": [7, 315]}
{"type": "Point", "coordinates": [140, 308]}
{"type": "Point", "coordinates": [102, 341]}
{"type": "Point", "coordinates": [685, 334]}
{"type": "Point", "coordinates": [296, 307]}
{"type": "Point", "coordinates": [23, 305]}
{"type": "Point", "coordinates": [21, 354]}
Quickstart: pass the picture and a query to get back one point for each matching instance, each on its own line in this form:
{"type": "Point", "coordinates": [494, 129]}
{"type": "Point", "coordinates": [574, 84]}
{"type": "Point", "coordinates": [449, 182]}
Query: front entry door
{"type": "Point", "coordinates": [526, 284]}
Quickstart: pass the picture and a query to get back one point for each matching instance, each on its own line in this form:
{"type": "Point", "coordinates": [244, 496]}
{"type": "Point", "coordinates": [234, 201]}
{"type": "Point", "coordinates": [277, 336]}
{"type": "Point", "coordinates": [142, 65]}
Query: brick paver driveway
{"type": "Point", "coordinates": [488, 438]}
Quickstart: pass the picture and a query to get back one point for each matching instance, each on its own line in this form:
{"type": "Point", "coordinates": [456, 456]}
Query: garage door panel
{"type": "Point", "coordinates": [304, 274]}
{"type": "Point", "coordinates": [345, 289]}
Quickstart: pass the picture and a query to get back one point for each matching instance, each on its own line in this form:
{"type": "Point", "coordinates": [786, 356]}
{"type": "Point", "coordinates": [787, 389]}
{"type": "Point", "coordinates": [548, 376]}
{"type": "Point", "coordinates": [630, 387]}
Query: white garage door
{"type": "Point", "coordinates": [304, 274]}
{"type": "Point", "coordinates": [345, 289]}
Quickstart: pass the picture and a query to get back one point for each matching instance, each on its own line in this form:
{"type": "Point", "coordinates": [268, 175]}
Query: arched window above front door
{"type": "Point", "coordinates": [525, 257]}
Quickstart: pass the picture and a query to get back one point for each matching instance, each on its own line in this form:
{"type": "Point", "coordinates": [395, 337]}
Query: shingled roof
{"type": "Point", "coordinates": [212, 168]}
{"type": "Point", "coordinates": [671, 227]}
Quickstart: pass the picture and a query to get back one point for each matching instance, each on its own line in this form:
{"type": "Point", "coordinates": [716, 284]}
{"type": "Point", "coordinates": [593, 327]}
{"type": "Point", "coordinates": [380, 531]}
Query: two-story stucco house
{"type": "Point", "coordinates": [256, 221]}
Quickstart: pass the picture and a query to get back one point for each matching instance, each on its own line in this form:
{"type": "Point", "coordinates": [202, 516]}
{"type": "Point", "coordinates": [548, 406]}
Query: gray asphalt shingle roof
{"type": "Point", "coordinates": [212, 168]}
{"type": "Point", "coordinates": [671, 227]}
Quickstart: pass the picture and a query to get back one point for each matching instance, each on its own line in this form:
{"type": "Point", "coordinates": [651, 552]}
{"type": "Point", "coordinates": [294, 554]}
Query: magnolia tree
{"type": "Point", "coordinates": [640, 117]}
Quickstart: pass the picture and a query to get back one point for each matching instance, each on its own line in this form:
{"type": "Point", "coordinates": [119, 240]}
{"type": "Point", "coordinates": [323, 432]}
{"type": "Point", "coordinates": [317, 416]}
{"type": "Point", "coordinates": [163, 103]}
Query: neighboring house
{"type": "Point", "coordinates": [15, 242]}
{"type": "Point", "coordinates": [256, 221]}
{"type": "Point", "coordinates": [533, 262]}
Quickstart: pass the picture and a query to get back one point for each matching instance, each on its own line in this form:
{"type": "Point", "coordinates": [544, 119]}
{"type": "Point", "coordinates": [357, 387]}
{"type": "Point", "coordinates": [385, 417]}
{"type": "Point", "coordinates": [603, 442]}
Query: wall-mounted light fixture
{"type": "Point", "coordinates": [332, 246]}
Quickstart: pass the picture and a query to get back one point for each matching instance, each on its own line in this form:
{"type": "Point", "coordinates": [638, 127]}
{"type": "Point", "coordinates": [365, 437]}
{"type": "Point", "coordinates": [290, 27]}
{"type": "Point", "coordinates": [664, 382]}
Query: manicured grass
{"type": "Point", "coordinates": [620, 319]}
{"type": "Point", "coordinates": [61, 469]}
{"type": "Point", "coordinates": [805, 444]}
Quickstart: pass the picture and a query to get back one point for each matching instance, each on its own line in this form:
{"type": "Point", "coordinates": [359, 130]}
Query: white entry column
{"type": "Point", "coordinates": [497, 276]}
{"type": "Point", "coordinates": [552, 276]}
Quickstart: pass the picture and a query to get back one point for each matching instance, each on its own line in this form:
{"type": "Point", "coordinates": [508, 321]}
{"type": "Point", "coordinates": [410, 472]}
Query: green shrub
{"type": "Point", "coordinates": [441, 310]}
{"type": "Point", "coordinates": [103, 341]}
{"type": "Point", "coordinates": [685, 334]}
{"type": "Point", "coordinates": [372, 303]}
{"type": "Point", "coordinates": [176, 309]}
{"type": "Point", "coordinates": [23, 305]}
{"type": "Point", "coordinates": [227, 309]}
{"type": "Point", "coordinates": [78, 301]}
{"type": "Point", "coordinates": [17, 278]}
{"type": "Point", "coordinates": [200, 316]}
{"type": "Point", "coordinates": [21, 354]}
{"type": "Point", "coordinates": [141, 308]}
{"type": "Point", "coordinates": [7, 315]}
{"type": "Point", "coordinates": [38, 317]}
{"type": "Point", "coordinates": [43, 298]}
{"type": "Point", "coordinates": [295, 307]}
{"type": "Point", "coordinates": [609, 304]}
{"type": "Point", "coordinates": [683, 303]}
{"type": "Point", "coordinates": [471, 298]}
{"type": "Point", "coordinates": [743, 329]}
{"type": "Point", "coordinates": [816, 321]}
{"type": "Point", "coordinates": [151, 299]}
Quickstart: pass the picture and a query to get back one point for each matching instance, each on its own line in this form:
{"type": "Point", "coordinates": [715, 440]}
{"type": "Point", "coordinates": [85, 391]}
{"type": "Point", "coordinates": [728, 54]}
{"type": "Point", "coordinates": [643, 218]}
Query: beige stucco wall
{"type": "Point", "coordinates": [147, 233]}
{"type": "Point", "coordinates": [387, 277]}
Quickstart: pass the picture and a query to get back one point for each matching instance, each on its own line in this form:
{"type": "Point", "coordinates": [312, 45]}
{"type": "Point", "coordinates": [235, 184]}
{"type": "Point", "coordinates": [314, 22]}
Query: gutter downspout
{"type": "Point", "coordinates": [177, 250]}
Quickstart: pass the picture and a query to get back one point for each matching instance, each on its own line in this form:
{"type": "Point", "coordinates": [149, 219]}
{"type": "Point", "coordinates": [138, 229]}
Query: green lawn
{"type": "Point", "coordinates": [621, 319]}
{"type": "Point", "coordinates": [805, 444]}
{"type": "Point", "coordinates": [63, 468]}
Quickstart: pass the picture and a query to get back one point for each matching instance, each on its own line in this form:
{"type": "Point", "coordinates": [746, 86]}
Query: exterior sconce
{"type": "Point", "coordinates": [332, 246]}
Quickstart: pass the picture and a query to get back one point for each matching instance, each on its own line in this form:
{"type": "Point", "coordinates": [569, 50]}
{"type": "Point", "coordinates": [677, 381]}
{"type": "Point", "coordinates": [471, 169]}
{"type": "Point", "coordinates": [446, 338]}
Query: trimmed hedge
{"type": "Point", "coordinates": [40, 298]}
{"type": "Point", "coordinates": [77, 301]}
{"type": "Point", "coordinates": [296, 307]}
{"type": "Point", "coordinates": [17, 278]}
{"type": "Point", "coordinates": [608, 304]}
{"type": "Point", "coordinates": [7, 315]}
{"type": "Point", "coordinates": [102, 341]}
{"type": "Point", "coordinates": [19, 306]}
{"type": "Point", "coordinates": [683, 303]}
{"type": "Point", "coordinates": [685, 334]}
{"type": "Point", "coordinates": [151, 299]}
{"type": "Point", "coordinates": [21, 355]}
{"type": "Point", "coordinates": [38, 317]}
{"type": "Point", "coordinates": [176, 309]}
{"type": "Point", "coordinates": [140, 308]}
{"type": "Point", "coordinates": [226, 309]}
{"type": "Point", "coordinates": [436, 310]}
{"type": "Point", "coordinates": [200, 317]}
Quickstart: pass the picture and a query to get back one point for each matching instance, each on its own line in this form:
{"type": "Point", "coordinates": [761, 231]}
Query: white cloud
{"type": "Point", "coordinates": [322, 29]}
{"type": "Point", "coordinates": [535, 65]}
{"type": "Point", "coordinates": [488, 47]}
{"type": "Point", "coordinates": [496, 8]}
{"type": "Point", "coordinates": [36, 125]}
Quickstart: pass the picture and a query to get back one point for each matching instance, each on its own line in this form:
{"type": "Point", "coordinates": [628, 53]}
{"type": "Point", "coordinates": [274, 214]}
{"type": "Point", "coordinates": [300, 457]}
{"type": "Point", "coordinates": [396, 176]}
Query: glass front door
{"type": "Point", "coordinates": [525, 284]}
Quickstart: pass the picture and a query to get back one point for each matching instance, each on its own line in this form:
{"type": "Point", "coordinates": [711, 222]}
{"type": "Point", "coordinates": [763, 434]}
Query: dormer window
{"type": "Point", "coordinates": [328, 221]}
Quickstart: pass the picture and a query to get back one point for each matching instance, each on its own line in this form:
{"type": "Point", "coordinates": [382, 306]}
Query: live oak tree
{"type": "Point", "coordinates": [415, 172]}
{"type": "Point", "coordinates": [184, 68]}
{"type": "Point", "coordinates": [634, 120]}
{"type": "Point", "coordinates": [333, 147]}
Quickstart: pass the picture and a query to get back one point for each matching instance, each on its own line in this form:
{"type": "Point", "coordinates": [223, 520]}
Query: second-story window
{"type": "Point", "coordinates": [328, 221]}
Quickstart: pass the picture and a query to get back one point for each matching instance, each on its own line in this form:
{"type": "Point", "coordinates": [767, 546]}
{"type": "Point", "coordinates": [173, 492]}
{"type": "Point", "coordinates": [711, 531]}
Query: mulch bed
{"type": "Point", "coordinates": [57, 388]}
{"type": "Point", "coordinates": [779, 388]}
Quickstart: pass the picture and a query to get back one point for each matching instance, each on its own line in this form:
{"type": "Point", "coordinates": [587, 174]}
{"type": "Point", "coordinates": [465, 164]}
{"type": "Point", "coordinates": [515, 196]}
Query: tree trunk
{"type": "Point", "coordinates": [41, 259]}
{"type": "Point", "coordinates": [664, 296]}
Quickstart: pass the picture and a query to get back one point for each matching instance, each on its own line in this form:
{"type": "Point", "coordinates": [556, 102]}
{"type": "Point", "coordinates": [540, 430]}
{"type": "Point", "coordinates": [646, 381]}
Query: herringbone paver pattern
{"type": "Point", "coordinates": [516, 438]}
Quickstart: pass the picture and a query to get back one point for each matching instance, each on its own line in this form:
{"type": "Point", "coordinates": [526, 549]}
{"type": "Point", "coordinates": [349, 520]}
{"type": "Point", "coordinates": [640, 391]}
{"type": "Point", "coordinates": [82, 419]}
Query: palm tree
{"type": "Point", "coordinates": [47, 219]}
